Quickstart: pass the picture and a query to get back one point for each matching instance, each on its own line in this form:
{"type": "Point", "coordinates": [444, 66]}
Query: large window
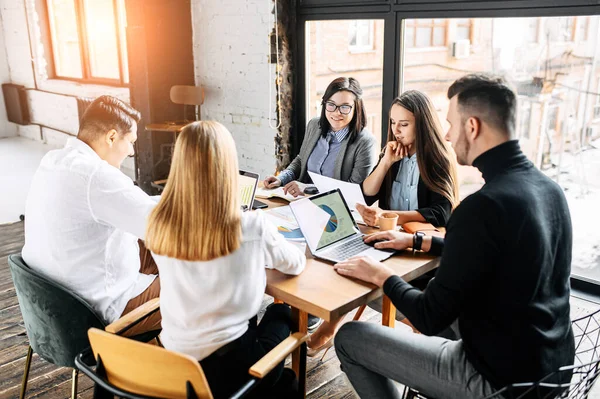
{"type": "Point", "coordinates": [88, 40]}
{"type": "Point", "coordinates": [552, 64]}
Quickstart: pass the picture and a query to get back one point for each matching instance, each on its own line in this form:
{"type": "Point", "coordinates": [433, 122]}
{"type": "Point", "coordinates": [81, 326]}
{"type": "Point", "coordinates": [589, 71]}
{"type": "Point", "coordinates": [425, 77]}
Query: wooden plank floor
{"type": "Point", "coordinates": [324, 378]}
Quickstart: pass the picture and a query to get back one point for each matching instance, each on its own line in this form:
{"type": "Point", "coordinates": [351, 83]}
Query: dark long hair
{"type": "Point", "coordinates": [359, 119]}
{"type": "Point", "coordinates": [435, 160]}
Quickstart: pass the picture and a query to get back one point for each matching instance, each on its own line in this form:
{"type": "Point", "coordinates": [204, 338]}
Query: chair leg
{"type": "Point", "coordinates": [74, 386]}
{"type": "Point", "coordinates": [26, 373]}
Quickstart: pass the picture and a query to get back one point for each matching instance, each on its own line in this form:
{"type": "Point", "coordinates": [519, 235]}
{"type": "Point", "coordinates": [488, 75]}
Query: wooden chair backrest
{"type": "Point", "coordinates": [147, 370]}
{"type": "Point", "coordinates": [189, 95]}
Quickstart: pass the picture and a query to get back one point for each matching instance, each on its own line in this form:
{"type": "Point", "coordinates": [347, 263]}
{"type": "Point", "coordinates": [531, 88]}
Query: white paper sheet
{"type": "Point", "coordinates": [313, 221]}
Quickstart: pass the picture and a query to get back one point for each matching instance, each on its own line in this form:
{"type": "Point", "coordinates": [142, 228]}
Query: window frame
{"type": "Point", "coordinates": [87, 77]}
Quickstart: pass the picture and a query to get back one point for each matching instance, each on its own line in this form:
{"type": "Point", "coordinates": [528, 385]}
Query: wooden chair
{"type": "Point", "coordinates": [57, 319]}
{"type": "Point", "coordinates": [135, 370]}
{"type": "Point", "coordinates": [186, 96]}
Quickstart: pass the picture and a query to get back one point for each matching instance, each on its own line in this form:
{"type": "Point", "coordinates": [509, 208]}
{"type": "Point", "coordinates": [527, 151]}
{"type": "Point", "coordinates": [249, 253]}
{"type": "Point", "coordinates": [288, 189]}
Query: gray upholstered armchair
{"type": "Point", "coordinates": [57, 320]}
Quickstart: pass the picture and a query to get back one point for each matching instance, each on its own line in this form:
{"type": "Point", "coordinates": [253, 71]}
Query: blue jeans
{"type": "Point", "coordinates": [373, 355]}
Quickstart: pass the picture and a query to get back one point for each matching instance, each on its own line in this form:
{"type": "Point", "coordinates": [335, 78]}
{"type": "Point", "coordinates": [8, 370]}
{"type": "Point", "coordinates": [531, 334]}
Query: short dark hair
{"type": "Point", "coordinates": [359, 119]}
{"type": "Point", "coordinates": [106, 113]}
{"type": "Point", "coordinates": [487, 97]}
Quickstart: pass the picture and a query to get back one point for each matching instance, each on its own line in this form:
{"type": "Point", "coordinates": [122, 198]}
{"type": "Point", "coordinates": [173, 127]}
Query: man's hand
{"type": "Point", "coordinates": [364, 268]}
{"type": "Point", "coordinates": [295, 188]}
{"type": "Point", "coordinates": [272, 182]}
{"type": "Point", "coordinates": [390, 239]}
{"type": "Point", "coordinates": [370, 214]}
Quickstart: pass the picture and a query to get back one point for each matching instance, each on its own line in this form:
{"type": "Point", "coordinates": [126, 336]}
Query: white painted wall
{"type": "Point", "coordinates": [231, 45]}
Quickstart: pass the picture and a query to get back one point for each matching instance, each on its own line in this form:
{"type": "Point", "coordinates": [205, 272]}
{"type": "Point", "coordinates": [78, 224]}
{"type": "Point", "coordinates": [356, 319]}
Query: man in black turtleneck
{"type": "Point", "coordinates": [503, 275]}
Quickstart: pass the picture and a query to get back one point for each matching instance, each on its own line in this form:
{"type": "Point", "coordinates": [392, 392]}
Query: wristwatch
{"type": "Point", "coordinates": [418, 240]}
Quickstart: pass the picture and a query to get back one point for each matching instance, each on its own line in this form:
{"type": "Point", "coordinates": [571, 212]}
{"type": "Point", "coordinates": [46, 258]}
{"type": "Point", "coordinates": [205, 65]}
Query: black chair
{"type": "Point", "coordinates": [57, 320]}
{"type": "Point", "coordinates": [585, 370]}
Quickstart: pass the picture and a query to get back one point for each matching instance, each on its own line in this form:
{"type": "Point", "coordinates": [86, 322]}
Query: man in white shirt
{"type": "Point", "coordinates": [84, 217]}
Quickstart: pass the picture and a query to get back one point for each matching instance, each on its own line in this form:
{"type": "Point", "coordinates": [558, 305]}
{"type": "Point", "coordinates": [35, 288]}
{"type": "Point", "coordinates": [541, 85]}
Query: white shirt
{"type": "Point", "coordinates": [205, 305]}
{"type": "Point", "coordinates": [82, 221]}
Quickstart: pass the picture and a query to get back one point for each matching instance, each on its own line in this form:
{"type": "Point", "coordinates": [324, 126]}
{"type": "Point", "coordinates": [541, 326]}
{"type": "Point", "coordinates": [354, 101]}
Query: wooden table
{"type": "Point", "coordinates": [320, 291]}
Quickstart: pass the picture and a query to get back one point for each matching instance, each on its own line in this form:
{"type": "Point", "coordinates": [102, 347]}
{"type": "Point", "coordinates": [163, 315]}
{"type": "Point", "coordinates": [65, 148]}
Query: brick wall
{"type": "Point", "coordinates": [230, 55]}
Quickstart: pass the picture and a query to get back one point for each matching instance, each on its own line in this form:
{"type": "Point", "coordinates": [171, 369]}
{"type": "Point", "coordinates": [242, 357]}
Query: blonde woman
{"type": "Point", "coordinates": [212, 260]}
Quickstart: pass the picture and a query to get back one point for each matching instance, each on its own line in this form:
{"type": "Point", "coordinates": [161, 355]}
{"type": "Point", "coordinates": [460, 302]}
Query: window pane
{"type": "Point", "coordinates": [328, 58]}
{"type": "Point", "coordinates": [439, 36]}
{"type": "Point", "coordinates": [423, 37]}
{"type": "Point", "coordinates": [532, 30]}
{"type": "Point", "coordinates": [557, 84]}
{"type": "Point", "coordinates": [65, 38]}
{"type": "Point", "coordinates": [123, 37]}
{"type": "Point", "coordinates": [102, 39]}
{"type": "Point", "coordinates": [463, 33]}
{"type": "Point", "coordinates": [409, 36]}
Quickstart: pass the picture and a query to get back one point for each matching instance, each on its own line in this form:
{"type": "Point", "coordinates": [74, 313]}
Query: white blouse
{"type": "Point", "coordinates": [207, 304]}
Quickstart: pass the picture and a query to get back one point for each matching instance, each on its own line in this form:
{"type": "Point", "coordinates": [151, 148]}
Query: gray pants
{"type": "Point", "coordinates": [373, 355]}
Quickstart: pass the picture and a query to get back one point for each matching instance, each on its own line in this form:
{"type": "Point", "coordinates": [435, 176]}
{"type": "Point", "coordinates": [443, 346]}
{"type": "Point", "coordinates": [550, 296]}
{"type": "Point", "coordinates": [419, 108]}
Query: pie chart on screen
{"type": "Point", "coordinates": [332, 224]}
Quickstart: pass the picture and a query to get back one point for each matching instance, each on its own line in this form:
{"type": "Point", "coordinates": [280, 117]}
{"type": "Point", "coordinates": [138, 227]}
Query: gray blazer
{"type": "Point", "coordinates": [354, 162]}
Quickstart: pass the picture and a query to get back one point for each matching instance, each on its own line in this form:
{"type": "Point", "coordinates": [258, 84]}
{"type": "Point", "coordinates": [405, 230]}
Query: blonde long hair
{"type": "Point", "coordinates": [198, 217]}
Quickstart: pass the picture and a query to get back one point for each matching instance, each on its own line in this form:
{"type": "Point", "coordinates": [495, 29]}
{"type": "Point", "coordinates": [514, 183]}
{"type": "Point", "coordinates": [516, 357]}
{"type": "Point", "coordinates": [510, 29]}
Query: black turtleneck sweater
{"type": "Point", "coordinates": [504, 273]}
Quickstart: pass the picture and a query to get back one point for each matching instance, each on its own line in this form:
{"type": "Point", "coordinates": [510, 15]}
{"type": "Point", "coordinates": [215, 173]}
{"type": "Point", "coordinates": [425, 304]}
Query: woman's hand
{"type": "Point", "coordinates": [295, 188]}
{"type": "Point", "coordinates": [364, 268]}
{"type": "Point", "coordinates": [370, 214]}
{"type": "Point", "coordinates": [390, 239]}
{"type": "Point", "coordinates": [394, 152]}
{"type": "Point", "coordinates": [271, 182]}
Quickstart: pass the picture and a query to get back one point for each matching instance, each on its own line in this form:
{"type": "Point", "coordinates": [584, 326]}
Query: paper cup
{"type": "Point", "coordinates": [388, 220]}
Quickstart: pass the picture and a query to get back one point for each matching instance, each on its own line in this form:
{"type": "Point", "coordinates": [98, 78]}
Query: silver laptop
{"type": "Point", "coordinates": [247, 183]}
{"type": "Point", "coordinates": [330, 230]}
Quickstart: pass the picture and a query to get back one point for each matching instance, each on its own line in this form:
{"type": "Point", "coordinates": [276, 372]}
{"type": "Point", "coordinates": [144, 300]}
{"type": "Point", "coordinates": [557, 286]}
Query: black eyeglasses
{"type": "Point", "coordinates": [345, 109]}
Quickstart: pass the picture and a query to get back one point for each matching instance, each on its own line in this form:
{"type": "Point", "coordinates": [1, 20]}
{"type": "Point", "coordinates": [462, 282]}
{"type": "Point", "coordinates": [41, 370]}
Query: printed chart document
{"type": "Point", "coordinates": [283, 218]}
{"type": "Point", "coordinates": [351, 192]}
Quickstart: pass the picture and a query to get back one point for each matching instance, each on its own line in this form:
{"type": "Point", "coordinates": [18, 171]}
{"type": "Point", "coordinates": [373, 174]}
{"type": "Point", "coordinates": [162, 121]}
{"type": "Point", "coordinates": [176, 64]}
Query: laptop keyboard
{"type": "Point", "coordinates": [348, 249]}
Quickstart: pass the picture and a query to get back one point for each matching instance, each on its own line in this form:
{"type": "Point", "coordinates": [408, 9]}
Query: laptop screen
{"type": "Point", "coordinates": [324, 219]}
{"type": "Point", "coordinates": [247, 182]}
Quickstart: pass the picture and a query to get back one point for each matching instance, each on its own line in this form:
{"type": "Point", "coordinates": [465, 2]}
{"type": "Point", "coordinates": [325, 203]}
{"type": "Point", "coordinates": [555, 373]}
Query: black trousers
{"type": "Point", "coordinates": [227, 369]}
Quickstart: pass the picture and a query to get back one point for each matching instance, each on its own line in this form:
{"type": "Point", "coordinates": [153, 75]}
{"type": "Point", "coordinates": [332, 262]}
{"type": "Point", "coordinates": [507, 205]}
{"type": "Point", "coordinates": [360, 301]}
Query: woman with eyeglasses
{"type": "Point", "coordinates": [336, 144]}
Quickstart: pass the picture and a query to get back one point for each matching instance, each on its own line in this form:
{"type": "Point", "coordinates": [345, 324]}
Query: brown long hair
{"type": "Point", "coordinates": [436, 162]}
{"type": "Point", "coordinates": [359, 119]}
{"type": "Point", "coordinates": [198, 217]}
